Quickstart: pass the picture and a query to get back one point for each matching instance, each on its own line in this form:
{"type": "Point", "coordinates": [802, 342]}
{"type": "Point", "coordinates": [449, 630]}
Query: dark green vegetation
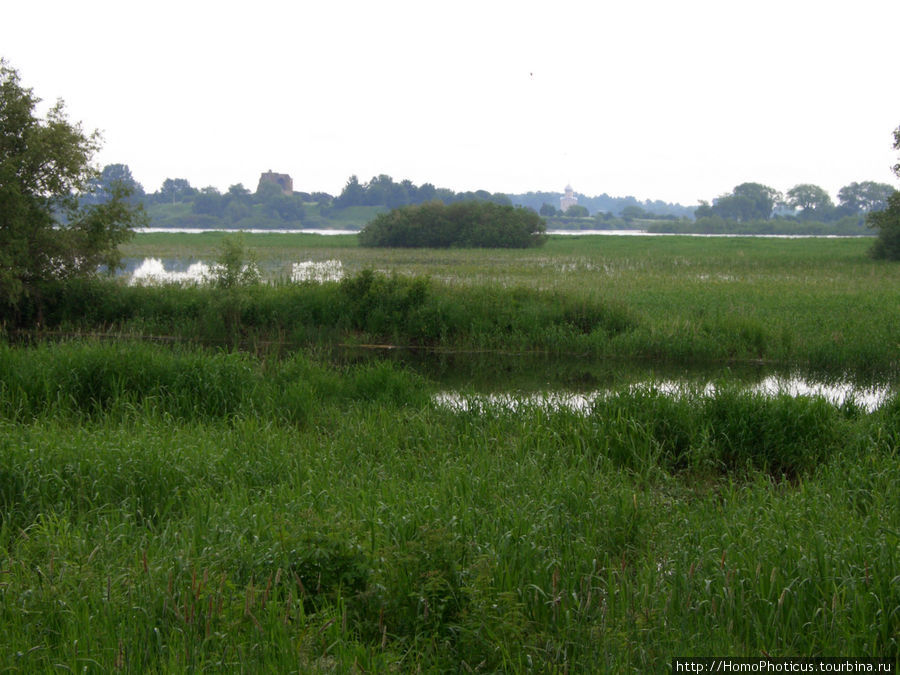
{"type": "Point", "coordinates": [887, 222]}
{"type": "Point", "coordinates": [183, 509]}
{"type": "Point", "coordinates": [46, 235]}
{"type": "Point", "coordinates": [751, 208]}
{"type": "Point", "coordinates": [471, 224]}
{"type": "Point", "coordinates": [178, 204]}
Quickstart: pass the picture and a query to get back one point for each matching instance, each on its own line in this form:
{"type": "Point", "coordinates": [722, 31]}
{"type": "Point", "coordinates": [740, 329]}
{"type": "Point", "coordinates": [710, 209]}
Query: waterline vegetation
{"type": "Point", "coordinates": [815, 303]}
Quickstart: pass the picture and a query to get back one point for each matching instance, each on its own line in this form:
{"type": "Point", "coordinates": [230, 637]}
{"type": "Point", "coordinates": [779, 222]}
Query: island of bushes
{"type": "Point", "coordinates": [469, 224]}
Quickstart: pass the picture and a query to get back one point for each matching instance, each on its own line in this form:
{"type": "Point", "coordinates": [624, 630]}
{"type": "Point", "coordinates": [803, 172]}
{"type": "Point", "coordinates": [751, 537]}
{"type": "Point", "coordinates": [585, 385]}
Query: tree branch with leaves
{"type": "Point", "coordinates": [47, 233]}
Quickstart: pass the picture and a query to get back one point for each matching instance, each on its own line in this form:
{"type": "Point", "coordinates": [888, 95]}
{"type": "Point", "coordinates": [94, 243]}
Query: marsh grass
{"type": "Point", "coordinates": [170, 510]}
{"type": "Point", "coordinates": [812, 303]}
{"type": "Point", "coordinates": [176, 507]}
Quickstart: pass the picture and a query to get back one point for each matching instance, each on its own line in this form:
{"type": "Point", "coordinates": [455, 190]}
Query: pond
{"type": "Point", "coordinates": [574, 382]}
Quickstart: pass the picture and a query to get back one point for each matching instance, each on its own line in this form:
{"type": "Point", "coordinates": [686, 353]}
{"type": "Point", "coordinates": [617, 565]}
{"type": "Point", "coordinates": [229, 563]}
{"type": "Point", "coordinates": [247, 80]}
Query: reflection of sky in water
{"type": "Point", "coordinates": [156, 271]}
{"type": "Point", "coordinates": [837, 393]}
{"type": "Point", "coordinates": [153, 271]}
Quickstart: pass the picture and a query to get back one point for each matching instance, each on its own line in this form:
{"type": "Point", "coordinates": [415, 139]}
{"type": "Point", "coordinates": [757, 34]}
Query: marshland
{"type": "Point", "coordinates": [227, 476]}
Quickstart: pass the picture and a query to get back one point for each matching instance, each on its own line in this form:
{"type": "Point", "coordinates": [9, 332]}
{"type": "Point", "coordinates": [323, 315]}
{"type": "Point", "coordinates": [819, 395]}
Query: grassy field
{"type": "Point", "coordinates": [180, 507]}
{"type": "Point", "coordinates": [197, 510]}
{"type": "Point", "coordinates": [818, 303]}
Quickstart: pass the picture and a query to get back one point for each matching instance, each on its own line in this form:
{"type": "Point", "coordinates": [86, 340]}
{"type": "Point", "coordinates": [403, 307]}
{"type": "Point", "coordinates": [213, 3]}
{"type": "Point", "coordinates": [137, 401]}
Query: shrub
{"type": "Point", "coordinates": [887, 223]}
{"type": "Point", "coordinates": [469, 224]}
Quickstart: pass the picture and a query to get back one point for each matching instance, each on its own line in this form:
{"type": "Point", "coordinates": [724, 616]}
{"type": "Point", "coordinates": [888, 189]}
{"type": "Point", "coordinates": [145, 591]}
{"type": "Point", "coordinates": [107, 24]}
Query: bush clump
{"type": "Point", "coordinates": [469, 224]}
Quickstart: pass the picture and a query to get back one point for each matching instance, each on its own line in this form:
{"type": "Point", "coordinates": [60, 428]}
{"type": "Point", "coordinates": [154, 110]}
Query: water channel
{"type": "Point", "coordinates": [514, 379]}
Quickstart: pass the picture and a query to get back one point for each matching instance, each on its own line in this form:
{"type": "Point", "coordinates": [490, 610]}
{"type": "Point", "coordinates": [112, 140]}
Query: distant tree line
{"type": "Point", "coordinates": [466, 224]}
{"type": "Point", "coordinates": [547, 204]}
{"type": "Point", "coordinates": [748, 208]}
{"type": "Point", "coordinates": [384, 191]}
{"type": "Point", "coordinates": [178, 203]}
{"type": "Point", "coordinates": [804, 202]}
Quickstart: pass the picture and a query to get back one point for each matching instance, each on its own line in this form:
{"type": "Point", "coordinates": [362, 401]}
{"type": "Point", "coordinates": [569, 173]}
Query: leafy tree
{"type": "Point", "coordinates": [353, 193]}
{"type": "Point", "coordinates": [811, 200]}
{"type": "Point", "coordinates": [209, 202]}
{"type": "Point", "coordinates": [236, 264]}
{"type": "Point", "coordinates": [46, 233]}
{"type": "Point", "coordinates": [863, 197]}
{"type": "Point", "coordinates": [577, 211]}
{"type": "Point", "coordinates": [175, 190]}
{"type": "Point", "coordinates": [547, 210]}
{"type": "Point", "coordinates": [887, 222]}
{"type": "Point", "coordinates": [239, 193]}
{"type": "Point", "coordinates": [632, 212]}
{"type": "Point", "coordinates": [896, 167]}
{"type": "Point", "coordinates": [426, 192]}
{"type": "Point", "coordinates": [748, 201]}
{"type": "Point", "coordinates": [704, 210]}
{"type": "Point", "coordinates": [102, 185]}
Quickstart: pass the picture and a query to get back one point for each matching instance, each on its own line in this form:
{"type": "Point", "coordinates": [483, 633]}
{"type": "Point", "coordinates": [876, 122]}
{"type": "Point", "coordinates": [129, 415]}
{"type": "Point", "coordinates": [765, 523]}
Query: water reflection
{"type": "Point", "coordinates": [155, 271]}
{"type": "Point", "coordinates": [574, 382]}
{"type": "Point", "coordinates": [839, 393]}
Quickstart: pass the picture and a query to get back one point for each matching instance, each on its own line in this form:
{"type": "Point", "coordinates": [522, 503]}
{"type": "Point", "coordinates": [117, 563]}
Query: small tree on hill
{"type": "Point", "coordinates": [46, 233]}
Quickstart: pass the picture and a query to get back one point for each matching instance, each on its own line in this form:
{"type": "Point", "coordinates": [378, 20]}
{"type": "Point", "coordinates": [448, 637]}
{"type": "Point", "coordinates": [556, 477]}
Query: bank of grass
{"type": "Point", "coordinates": [191, 509]}
{"type": "Point", "coordinates": [809, 302]}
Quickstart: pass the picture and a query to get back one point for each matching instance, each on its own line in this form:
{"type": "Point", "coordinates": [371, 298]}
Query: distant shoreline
{"type": "Point", "coordinates": [620, 233]}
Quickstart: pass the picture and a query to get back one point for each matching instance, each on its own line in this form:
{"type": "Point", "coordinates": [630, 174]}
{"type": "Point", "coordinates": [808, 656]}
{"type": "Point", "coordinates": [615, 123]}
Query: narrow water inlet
{"type": "Point", "coordinates": [837, 393]}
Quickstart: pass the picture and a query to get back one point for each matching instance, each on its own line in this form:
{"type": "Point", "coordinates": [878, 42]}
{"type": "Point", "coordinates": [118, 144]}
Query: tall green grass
{"type": "Point", "coordinates": [164, 509]}
{"type": "Point", "coordinates": [812, 303]}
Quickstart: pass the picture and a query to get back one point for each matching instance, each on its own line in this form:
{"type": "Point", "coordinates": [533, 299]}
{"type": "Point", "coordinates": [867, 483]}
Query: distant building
{"type": "Point", "coordinates": [568, 199]}
{"type": "Point", "coordinates": [282, 180]}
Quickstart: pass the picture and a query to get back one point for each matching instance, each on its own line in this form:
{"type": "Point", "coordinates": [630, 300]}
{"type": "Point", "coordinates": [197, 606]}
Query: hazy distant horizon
{"type": "Point", "coordinates": [677, 102]}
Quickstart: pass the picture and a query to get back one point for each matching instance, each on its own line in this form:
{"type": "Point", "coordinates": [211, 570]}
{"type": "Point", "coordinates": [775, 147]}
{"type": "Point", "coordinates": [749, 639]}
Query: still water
{"type": "Point", "coordinates": [466, 378]}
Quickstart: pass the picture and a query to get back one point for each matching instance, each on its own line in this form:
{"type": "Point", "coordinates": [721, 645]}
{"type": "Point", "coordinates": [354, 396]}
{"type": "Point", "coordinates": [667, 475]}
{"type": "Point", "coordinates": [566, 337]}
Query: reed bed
{"type": "Point", "coordinates": [811, 303]}
{"type": "Point", "coordinates": [191, 509]}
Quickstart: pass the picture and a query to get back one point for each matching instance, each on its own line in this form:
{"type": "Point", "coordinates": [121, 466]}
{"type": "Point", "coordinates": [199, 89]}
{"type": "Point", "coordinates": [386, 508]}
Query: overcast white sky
{"type": "Point", "coordinates": [659, 99]}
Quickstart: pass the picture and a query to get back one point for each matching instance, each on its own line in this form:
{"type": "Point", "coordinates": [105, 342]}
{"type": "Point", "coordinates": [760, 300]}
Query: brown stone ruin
{"type": "Point", "coordinates": [282, 180]}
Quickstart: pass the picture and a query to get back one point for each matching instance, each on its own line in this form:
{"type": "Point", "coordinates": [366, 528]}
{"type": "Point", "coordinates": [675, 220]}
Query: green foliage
{"type": "Point", "coordinates": [89, 380]}
{"type": "Point", "coordinates": [46, 234]}
{"type": "Point", "coordinates": [383, 191]}
{"type": "Point", "coordinates": [150, 533]}
{"type": "Point", "coordinates": [748, 201]}
{"type": "Point", "coordinates": [236, 265]}
{"type": "Point", "coordinates": [811, 200]}
{"type": "Point", "coordinates": [464, 224]}
{"type": "Point", "coordinates": [577, 211]}
{"type": "Point", "coordinates": [727, 431]}
{"type": "Point", "coordinates": [896, 167]}
{"type": "Point", "coordinates": [887, 222]}
{"type": "Point", "coordinates": [864, 197]}
{"type": "Point", "coordinates": [382, 305]}
{"type": "Point", "coordinates": [548, 210]}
